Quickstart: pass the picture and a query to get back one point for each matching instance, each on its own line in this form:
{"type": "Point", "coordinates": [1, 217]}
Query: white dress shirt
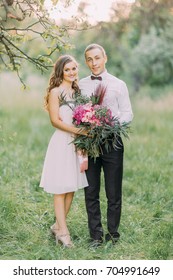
{"type": "Point", "coordinates": [116, 97]}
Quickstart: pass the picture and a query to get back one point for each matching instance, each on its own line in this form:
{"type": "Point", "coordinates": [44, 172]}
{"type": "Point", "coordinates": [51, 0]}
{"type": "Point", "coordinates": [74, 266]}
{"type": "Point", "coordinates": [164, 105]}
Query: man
{"type": "Point", "coordinates": [116, 99]}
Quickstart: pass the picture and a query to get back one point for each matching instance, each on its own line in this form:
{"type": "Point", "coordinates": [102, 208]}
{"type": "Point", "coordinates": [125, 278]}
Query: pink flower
{"type": "Point", "coordinates": [99, 122]}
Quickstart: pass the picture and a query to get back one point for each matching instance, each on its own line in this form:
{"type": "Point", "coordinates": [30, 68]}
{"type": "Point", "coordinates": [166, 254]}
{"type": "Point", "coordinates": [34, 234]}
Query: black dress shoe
{"type": "Point", "coordinates": [95, 243]}
{"type": "Point", "coordinates": [112, 237]}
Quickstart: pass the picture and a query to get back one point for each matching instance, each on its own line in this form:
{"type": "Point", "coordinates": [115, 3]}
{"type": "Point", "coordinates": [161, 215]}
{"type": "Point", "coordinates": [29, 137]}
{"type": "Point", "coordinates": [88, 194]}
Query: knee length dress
{"type": "Point", "coordinates": [61, 170]}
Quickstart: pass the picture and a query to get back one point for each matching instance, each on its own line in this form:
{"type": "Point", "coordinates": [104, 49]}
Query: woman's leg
{"type": "Point", "coordinates": [60, 213]}
{"type": "Point", "coordinates": [62, 203]}
{"type": "Point", "coordinates": [68, 201]}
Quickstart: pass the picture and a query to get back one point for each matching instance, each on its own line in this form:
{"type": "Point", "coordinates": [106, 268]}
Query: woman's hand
{"type": "Point", "coordinates": [82, 131]}
{"type": "Point", "coordinates": [83, 160]}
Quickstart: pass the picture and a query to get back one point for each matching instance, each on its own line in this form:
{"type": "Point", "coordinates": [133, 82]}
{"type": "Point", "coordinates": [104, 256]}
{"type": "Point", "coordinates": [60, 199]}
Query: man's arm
{"type": "Point", "coordinates": [125, 108]}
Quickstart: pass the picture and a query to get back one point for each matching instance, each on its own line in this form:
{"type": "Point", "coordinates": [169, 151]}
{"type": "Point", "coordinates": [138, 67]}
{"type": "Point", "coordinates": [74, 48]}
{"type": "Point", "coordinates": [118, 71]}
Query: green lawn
{"type": "Point", "coordinates": [26, 212]}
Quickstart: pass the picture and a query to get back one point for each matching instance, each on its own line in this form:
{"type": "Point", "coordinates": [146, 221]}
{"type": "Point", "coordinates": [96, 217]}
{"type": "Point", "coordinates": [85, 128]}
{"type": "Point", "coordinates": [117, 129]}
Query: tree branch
{"type": "Point", "coordinates": [25, 56]}
{"type": "Point", "coordinates": [36, 24]}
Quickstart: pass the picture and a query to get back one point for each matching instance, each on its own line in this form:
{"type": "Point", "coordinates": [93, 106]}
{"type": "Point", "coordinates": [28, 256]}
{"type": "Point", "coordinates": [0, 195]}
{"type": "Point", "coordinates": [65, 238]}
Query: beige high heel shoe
{"type": "Point", "coordinates": [65, 240]}
{"type": "Point", "coordinates": [54, 230]}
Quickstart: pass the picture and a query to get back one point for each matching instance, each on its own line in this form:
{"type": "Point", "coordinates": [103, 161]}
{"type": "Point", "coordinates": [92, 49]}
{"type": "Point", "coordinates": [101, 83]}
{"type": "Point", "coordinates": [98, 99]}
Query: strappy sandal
{"type": "Point", "coordinates": [65, 240]}
{"type": "Point", "coordinates": [53, 229]}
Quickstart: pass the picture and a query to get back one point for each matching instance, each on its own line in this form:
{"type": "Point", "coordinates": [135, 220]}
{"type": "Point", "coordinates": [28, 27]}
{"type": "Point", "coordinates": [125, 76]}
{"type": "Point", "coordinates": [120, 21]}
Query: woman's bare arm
{"type": "Point", "coordinates": [53, 107]}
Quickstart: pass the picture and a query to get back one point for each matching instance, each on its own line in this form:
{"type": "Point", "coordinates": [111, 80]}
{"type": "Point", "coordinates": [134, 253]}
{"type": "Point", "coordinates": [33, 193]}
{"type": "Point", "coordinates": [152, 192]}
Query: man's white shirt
{"type": "Point", "coordinates": [116, 97]}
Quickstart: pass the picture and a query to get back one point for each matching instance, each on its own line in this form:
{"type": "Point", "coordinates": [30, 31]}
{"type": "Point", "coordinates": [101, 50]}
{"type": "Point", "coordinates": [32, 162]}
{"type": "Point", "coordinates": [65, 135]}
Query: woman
{"type": "Point", "coordinates": [61, 173]}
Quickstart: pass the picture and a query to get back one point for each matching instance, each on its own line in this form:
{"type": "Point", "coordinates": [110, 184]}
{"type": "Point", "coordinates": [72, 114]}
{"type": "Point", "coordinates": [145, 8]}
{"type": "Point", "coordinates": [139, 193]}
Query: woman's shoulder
{"type": "Point", "coordinates": [56, 92]}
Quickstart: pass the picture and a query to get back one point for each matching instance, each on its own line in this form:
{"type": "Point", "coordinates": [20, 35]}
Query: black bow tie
{"type": "Point", "coordinates": [96, 78]}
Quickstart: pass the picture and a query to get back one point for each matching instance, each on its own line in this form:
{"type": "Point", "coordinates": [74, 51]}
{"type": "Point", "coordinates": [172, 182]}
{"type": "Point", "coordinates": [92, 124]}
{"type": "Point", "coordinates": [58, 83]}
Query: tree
{"type": "Point", "coordinates": [151, 40]}
{"type": "Point", "coordinates": [25, 25]}
{"type": "Point", "coordinates": [148, 14]}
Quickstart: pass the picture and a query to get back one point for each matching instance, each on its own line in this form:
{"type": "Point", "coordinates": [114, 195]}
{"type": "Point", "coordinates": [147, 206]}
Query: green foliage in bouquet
{"type": "Point", "coordinates": [104, 130]}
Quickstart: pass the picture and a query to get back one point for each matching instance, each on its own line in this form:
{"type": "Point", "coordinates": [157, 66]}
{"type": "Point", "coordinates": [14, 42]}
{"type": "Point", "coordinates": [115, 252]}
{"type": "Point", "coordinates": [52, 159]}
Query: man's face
{"type": "Point", "coordinates": [96, 60]}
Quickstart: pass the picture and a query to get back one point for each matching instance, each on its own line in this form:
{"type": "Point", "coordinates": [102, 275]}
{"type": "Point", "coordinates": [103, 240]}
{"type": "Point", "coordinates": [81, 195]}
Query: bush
{"type": "Point", "coordinates": [151, 61]}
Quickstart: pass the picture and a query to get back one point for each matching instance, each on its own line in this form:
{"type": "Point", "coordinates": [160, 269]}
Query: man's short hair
{"type": "Point", "coordinates": [94, 46]}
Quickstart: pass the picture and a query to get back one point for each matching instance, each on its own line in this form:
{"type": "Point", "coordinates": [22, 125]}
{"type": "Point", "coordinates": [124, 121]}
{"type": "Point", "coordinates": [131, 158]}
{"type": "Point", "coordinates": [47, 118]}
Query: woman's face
{"type": "Point", "coordinates": [70, 72]}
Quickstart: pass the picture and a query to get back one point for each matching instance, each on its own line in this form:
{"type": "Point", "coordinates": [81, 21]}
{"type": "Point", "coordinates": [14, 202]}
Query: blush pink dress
{"type": "Point", "coordinates": [61, 169]}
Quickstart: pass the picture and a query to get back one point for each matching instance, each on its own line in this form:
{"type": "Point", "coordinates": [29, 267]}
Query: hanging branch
{"type": "Point", "coordinates": [22, 22]}
{"type": "Point", "coordinates": [25, 56]}
{"type": "Point", "coordinates": [13, 37]}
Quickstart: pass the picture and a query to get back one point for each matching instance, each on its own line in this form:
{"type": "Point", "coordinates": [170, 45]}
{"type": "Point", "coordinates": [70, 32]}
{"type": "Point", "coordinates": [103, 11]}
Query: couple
{"type": "Point", "coordinates": [63, 172]}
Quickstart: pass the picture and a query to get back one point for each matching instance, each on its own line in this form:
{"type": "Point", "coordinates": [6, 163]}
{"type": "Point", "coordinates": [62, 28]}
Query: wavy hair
{"type": "Point", "coordinates": [56, 77]}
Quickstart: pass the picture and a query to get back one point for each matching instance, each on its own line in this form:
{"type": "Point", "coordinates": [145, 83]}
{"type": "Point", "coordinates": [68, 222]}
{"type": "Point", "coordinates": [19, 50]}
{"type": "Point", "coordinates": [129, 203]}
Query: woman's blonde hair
{"type": "Point", "coordinates": [56, 77]}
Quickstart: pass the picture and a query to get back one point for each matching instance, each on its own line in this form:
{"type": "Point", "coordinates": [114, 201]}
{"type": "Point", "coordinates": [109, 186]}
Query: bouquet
{"type": "Point", "coordinates": [103, 128]}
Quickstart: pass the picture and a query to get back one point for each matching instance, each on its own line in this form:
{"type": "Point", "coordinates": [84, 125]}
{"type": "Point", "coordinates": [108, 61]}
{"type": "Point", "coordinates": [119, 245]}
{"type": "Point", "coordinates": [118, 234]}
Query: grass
{"type": "Point", "coordinates": [26, 212]}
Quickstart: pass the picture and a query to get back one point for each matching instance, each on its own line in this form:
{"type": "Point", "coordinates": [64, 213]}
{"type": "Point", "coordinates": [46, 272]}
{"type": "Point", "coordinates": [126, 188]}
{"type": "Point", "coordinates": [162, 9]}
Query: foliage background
{"type": "Point", "coordinates": [139, 49]}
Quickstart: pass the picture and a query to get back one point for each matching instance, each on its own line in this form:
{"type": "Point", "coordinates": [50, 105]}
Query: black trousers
{"type": "Point", "coordinates": [112, 164]}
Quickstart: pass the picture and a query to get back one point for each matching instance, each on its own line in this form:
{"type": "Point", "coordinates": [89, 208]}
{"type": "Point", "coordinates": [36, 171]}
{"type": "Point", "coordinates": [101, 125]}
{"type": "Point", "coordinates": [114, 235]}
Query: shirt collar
{"type": "Point", "coordinates": [103, 74]}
